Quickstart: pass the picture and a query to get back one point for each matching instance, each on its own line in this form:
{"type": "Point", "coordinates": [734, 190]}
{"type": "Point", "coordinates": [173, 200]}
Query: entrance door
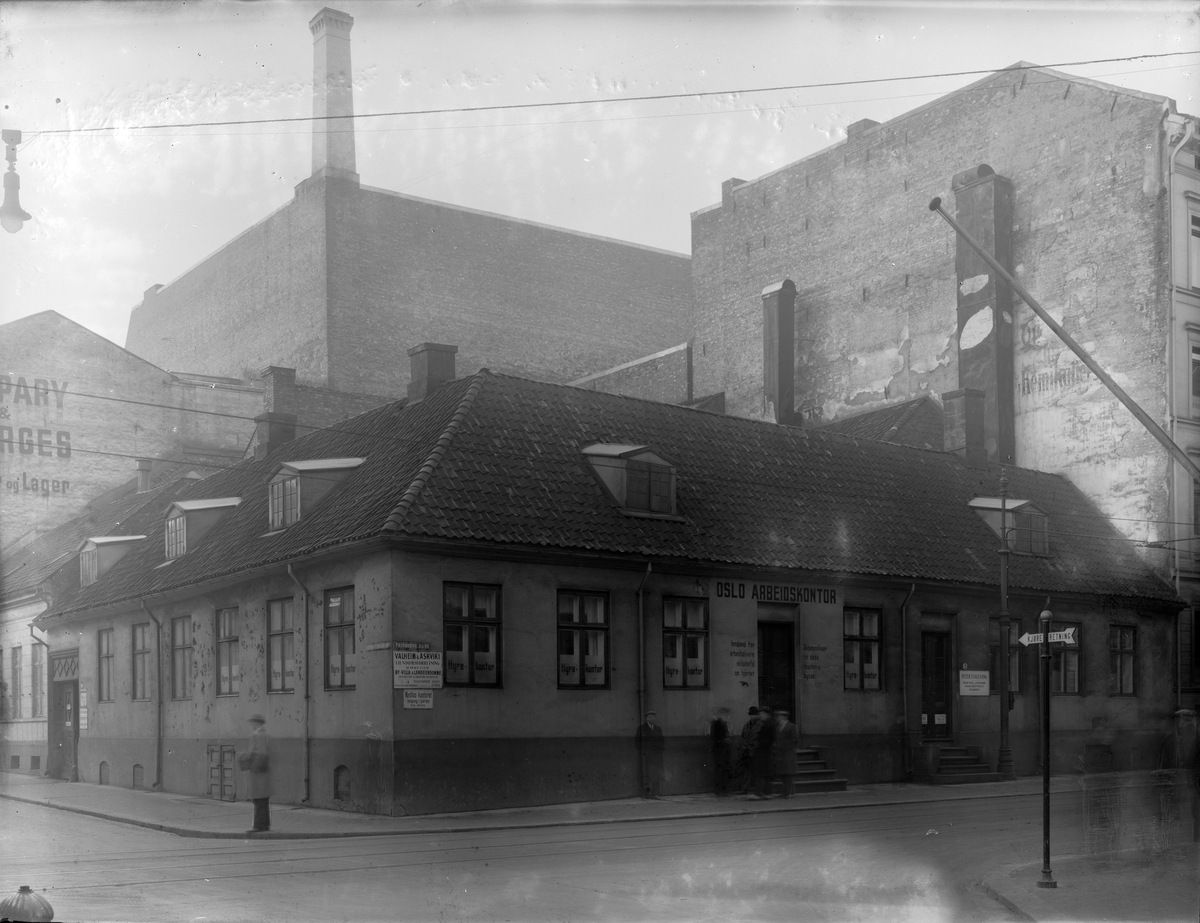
{"type": "Point", "coordinates": [777, 666]}
{"type": "Point", "coordinates": [220, 772]}
{"type": "Point", "coordinates": [935, 684]}
{"type": "Point", "coordinates": [65, 727]}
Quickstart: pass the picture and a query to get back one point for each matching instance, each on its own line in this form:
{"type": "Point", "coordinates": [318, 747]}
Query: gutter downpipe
{"type": "Point", "coordinates": [307, 698]}
{"type": "Point", "coordinates": [907, 754]}
{"type": "Point", "coordinates": [1189, 130]}
{"type": "Point", "coordinates": [158, 685]}
{"type": "Point", "coordinates": [642, 647]}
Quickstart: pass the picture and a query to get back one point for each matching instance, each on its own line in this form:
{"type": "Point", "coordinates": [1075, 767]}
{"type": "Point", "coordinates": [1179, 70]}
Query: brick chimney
{"type": "Point", "coordinates": [432, 367]}
{"type": "Point", "coordinates": [727, 188]}
{"type": "Point", "coordinates": [779, 351]}
{"type": "Point", "coordinates": [273, 430]}
{"type": "Point", "coordinates": [278, 389]}
{"type": "Point", "coordinates": [333, 95]}
{"type": "Point", "coordinates": [143, 475]}
{"type": "Point", "coordinates": [963, 426]}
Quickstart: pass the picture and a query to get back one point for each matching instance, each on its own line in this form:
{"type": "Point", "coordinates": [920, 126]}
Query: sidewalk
{"type": "Point", "coordinates": [1130, 888]}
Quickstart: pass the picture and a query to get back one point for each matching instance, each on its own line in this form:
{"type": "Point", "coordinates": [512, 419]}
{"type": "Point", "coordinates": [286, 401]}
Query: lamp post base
{"type": "Point", "coordinates": [1004, 764]}
{"type": "Point", "coordinates": [1047, 879]}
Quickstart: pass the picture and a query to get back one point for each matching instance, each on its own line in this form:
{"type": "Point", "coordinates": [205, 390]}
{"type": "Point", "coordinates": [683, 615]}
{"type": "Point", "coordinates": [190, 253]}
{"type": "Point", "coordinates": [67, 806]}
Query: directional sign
{"type": "Point", "coordinates": [1066, 637]}
{"type": "Point", "coordinates": [1028, 639]}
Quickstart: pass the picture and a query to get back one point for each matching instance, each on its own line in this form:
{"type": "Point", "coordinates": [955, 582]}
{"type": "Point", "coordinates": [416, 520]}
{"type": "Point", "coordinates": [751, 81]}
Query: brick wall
{"type": "Point", "coordinates": [663, 376]}
{"type": "Point", "coordinates": [513, 296]}
{"type": "Point", "coordinates": [874, 269]}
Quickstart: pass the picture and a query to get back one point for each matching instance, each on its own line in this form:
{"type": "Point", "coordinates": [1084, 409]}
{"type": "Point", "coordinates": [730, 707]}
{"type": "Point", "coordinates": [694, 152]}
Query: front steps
{"type": "Point", "coordinates": [959, 765]}
{"type": "Point", "coordinates": [812, 774]}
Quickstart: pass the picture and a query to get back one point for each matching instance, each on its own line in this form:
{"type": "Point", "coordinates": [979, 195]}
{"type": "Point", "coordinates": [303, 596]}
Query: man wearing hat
{"type": "Point", "coordinates": [258, 762]}
{"type": "Point", "coordinates": [650, 755]}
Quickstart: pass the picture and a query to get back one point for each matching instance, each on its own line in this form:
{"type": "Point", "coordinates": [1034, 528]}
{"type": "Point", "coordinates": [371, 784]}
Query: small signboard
{"type": "Point", "coordinates": [939, 719]}
{"type": "Point", "coordinates": [974, 682]}
{"type": "Point", "coordinates": [1028, 638]}
{"type": "Point", "coordinates": [1066, 637]}
{"type": "Point", "coordinates": [416, 669]}
{"type": "Point", "coordinates": [418, 698]}
{"type": "Point", "coordinates": [83, 718]}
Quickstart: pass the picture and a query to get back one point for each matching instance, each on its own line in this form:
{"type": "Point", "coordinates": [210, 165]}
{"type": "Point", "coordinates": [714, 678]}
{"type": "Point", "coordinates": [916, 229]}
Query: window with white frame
{"type": "Point", "coordinates": [862, 668]}
{"type": "Point", "coordinates": [685, 643]}
{"type": "Point", "coordinates": [1014, 654]}
{"type": "Point", "coordinates": [14, 684]}
{"type": "Point", "coordinates": [1064, 661]}
{"type": "Point", "coordinates": [181, 657]}
{"type": "Point", "coordinates": [1122, 651]}
{"type": "Point", "coordinates": [341, 662]}
{"type": "Point", "coordinates": [284, 501]}
{"type": "Point", "coordinates": [141, 660]}
{"type": "Point", "coordinates": [229, 673]}
{"type": "Point", "coordinates": [38, 687]}
{"type": "Point", "coordinates": [88, 564]}
{"type": "Point", "coordinates": [176, 536]}
{"type": "Point", "coordinates": [471, 620]}
{"type": "Point", "coordinates": [282, 643]}
{"type": "Point", "coordinates": [1194, 244]}
{"type": "Point", "coordinates": [582, 640]}
{"type": "Point", "coordinates": [104, 690]}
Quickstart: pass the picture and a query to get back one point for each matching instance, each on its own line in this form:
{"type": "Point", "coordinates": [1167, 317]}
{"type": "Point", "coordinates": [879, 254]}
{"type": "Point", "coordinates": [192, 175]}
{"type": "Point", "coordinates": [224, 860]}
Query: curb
{"type": "Point", "coordinates": [1008, 904]}
{"type": "Point", "coordinates": [516, 825]}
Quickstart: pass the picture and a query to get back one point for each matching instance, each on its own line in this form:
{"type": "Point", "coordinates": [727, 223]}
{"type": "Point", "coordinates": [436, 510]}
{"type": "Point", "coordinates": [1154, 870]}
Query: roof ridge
{"type": "Point", "coordinates": [392, 523]}
{"type": "Point", "coordinates": [907, 415]}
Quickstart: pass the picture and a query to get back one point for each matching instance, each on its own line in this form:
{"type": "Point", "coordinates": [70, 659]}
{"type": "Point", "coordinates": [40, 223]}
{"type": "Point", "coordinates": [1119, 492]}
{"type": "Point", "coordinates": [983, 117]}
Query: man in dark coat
{"type": "Point", "coordinates": [650, 753]}
{"type": "Point", "coordinates": [760, 760]}
{"type": "Point", "coordinates": [719, 745]}
{"type": "Point", "coordinates": [746, 757]}
{"type": "Point", "coordinates": [783, 754]}
{"type": "Point", "coordinates": [259, 766]}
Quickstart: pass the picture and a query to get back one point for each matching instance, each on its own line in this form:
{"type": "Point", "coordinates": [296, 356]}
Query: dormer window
{"type": "Point", "coordinates": [1027, 526]}
{"type": "Point", "coordinates": [299, 486]}
{"type": "Point", "coordinates": [638, 478]}
{"type": "Point", "coordinates": [189, 520]}
{"type": "Point", "coordinates": [98, 554]}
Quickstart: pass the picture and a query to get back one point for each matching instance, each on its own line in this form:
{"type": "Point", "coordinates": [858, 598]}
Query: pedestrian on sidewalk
{"type": "Point", "coordinates": [258, 763]}
{"type": "Point", "coordinates": [749, 741]}
{"type": "Point", "coordinates": [719, 745]}
{"type": "Point", "coordinates": [760, 762]}
{"type": "Point", "coordinates": [650, 755]}
{"type": "Point", "coordinates": [783, 752]}
{"type": "Point", "coordinates": [1181, 753]}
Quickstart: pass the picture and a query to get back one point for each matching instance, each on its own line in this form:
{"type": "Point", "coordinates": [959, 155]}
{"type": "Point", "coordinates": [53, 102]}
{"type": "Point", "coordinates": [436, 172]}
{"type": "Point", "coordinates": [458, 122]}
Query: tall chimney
{"type": "Point", "coordinates": [143, 475]}
{"type": "Point", "coordinates": [333, 95]}
{"type": "Point", "coordinates": [983, 202]}
{"type": "Point", "coordinates": [273, 430]}
{"type": "Point", "coordinates": [962, 426]}
{"type": "Point", "coordinates": [779, 351]}
{"type": "Point", "coordinates": [432, 367]}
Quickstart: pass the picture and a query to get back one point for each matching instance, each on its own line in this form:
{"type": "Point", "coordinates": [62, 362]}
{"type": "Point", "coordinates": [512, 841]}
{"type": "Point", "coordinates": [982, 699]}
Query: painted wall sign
{"type": "Point", "coordinates": [775, 592]}
{"type": "Point", "coordinates": [416, 669]}
{"type": "Point", "coordinates": [418, 698]}
{"type": "Point", "coordinates": [811, 660]}
{"type": "Point", "coordinates": [743, 659]}
{"type": "Point", "coordinates": [974, 682]}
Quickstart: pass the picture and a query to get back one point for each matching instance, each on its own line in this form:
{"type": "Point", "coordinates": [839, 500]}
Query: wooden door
{"type": "Point", "coordinates": [935, 685]}
{"type": "Point", "coordinates": [777, 666]}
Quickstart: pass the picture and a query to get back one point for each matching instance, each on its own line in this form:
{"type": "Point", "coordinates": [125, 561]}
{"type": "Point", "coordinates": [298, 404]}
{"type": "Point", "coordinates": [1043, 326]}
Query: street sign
{"type": "Point", "coordinates": [1028, 639]}
{"type": "Point", "coordinates": [1065, 637]}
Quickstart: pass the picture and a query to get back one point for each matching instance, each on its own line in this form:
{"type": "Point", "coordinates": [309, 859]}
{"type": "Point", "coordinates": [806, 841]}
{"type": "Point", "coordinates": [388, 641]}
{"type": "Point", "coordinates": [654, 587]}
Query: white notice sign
{"type": "Point", "coordinates": [418, 698]}
{"type": "Point", "coordinates": [974, 682]}
{"type": "Point", "coordinates": [416, 669]}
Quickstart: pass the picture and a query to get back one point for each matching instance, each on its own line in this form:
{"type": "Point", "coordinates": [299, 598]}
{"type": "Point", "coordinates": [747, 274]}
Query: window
{"type": "Point", "coordinates": [1014, 654]}
{"type": "Point", "coordinates": [104, 679]}
{"type": "Point", "coordinates": [88, 561]}
{"type": "Point", "coordinates": [39, 680]}
{"type": "Point", "coordinates": [1194, 248]}
{"type": "Point", "coordinates": [340, 661]}
{"type": "Point", "coordinates": [471, 624]}
{"type": "Point", "coordinates": [648, 487]}
{"type": "Point", "coordinates": [1122, 646]}
{"type": "Point", "coordinates": [861, 644]}
{"type": "Point", "coordinates": [284, 501]}
{"type": "Point", "coordinates": [176, 536]}
{"type": "Point", "coordinates": [14, 684]}
{"type": "Point", "coordinates": [1064, 661]}
{"type": "Point", "coordinates": [282, 642]}
{"type": "Point", "coordinates": [181, 658]}
{"type": "Point", "coordinates": [582, 639]}
{"type": "Point", "coordinates": [1195, 379]}
{"type": "Point", "coordinates": [229, 675]}
{"type": "Point", "coordinates": [685, 643]}
{"type": "Point", "coordinates": [1028, 533]}
{"type": "Point", "coordinates": [141, 659]}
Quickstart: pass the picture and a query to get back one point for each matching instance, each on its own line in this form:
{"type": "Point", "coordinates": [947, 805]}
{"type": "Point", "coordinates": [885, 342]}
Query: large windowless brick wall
{"type": "Point", "coordinates": [341, 281]}
{"type": "Point", "coordinates": [875, 272]}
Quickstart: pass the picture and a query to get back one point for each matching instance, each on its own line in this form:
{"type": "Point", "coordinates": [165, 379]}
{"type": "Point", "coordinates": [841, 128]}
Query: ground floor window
{"type": "Point", "coordinates": [229, 675]}
{"type": "Point", "coordinates": [861, 646]}
{"type": "Point", "coordinates": [104, 684]}
{"type": "Point", "coordinates": [341, 662]}
{"type": "Point", "coordinates": [685, 643]}
{"type": "Point", "coordinates": [1064, 661]}
{"type": "Point", "coordinates": [1122, 640]}
{"type": "Point", "coordinates": [471, 619]}
{"type": "Point", "coordinates": [582, 639]}
{"type": "Point", "coordinates": [282, 644]}
{"type": "Point", "coordinates": [181, 658]}
{"type": "Point", "coordinates": [1014, 654]}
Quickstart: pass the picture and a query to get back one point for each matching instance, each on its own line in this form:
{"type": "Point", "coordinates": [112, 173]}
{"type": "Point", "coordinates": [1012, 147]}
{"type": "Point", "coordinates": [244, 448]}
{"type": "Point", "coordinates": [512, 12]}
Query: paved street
{"type": "Point", "coordinates": [891, 862]}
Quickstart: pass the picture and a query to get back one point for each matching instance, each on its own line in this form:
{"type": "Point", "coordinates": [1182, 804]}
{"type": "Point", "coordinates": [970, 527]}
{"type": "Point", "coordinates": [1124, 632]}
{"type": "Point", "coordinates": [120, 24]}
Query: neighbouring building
{"type": "Point", "coordinates": [1088, 193]}
{"type": "Point", "coordinates": [336, 281]}
{"type": "Point", "coordinates": [504, 573]}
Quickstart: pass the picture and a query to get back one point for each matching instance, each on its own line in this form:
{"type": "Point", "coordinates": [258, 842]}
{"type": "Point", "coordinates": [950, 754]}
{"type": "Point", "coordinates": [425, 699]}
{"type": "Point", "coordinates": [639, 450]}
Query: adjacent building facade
{"type": "Point", "coordinates": [504, 573]}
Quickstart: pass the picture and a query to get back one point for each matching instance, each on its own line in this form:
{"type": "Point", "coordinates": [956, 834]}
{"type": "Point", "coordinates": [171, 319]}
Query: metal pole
{"type": "Point", "coordinates": [1004, 760]}
{"type": "Point", "coordinates": [1047, 879]}
{"type": "Point", "coordinates": [1130, 404]}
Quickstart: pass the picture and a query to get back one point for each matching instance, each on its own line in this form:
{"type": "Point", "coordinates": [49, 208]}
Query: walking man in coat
{"type": "Point", "coordinates": [719, 743]}
{"type": "Point", "coordinates": [650, 753]}
{"type": "Point", "coordinates": [760, 760]}
{"type": "Point", "coordinates": [746, 757]}
{"type": "Point", "coordinates": [259, 766]}
{"type": "Point", "coordinates": [783, 755]}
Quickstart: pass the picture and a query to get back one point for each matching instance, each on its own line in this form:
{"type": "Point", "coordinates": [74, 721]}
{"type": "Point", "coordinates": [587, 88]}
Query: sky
{"type": "Point", "coordinates": [119, 209]}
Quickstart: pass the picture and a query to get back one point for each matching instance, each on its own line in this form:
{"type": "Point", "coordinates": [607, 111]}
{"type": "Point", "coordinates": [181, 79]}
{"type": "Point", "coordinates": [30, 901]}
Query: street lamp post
{"type": "Point", "coordinates": [1004, 760]}
{"type": "Point", "coordinates": [1047, 879]}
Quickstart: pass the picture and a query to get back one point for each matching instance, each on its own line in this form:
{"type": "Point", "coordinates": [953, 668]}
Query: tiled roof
{"type": "Point", "coordinates": [917, 423]}
{"type": "Point", "coordinates": [497, 460]}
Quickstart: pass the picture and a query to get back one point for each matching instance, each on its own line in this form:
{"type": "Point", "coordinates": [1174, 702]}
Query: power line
{"type": "Point", "coordinates": [622, 99]}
